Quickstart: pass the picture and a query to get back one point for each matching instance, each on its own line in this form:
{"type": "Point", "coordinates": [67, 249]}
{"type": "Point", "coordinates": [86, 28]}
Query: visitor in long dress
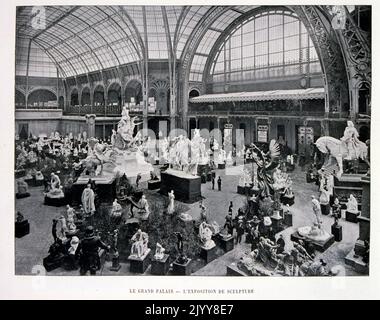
{"type": "Point", "coordinates": [88, 200]}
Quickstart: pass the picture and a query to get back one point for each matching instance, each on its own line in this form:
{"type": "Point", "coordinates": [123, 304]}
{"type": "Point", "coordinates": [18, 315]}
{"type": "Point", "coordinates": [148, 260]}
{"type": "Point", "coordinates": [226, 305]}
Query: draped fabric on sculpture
{"type": "Point", "coordinates": [88, 200]}
{"type": "Point", "coordinates": [351, 139]}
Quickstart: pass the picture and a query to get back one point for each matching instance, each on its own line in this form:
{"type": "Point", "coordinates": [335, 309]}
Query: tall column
{"type": "Point", "coordinates": [90, 120]}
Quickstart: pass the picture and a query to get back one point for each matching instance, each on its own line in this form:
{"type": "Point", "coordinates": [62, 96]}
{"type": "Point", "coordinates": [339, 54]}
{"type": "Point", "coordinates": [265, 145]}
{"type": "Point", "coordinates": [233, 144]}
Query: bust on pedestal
{"type": "Point", "coordinates": [208, 247]}
{"type": "Point", "coordinates": [352, 211]}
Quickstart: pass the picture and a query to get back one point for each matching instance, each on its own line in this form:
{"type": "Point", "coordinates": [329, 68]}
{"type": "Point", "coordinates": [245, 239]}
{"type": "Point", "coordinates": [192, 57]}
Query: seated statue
{"type": "Point", "coordinates": [160, 252]}
{"type": "Point", "coordinates": [56, 190]}
{"type": "Point", "coordinates": [39, 176]}
{"type": "Point", "coordinates": [116, 210]}
{"type": "Point", "coordinates": [139, 244]}
{"type": "Point", "coordinates": [143, 208]}
{"type": "Point", "coordinates": [205, 235]}
{"type": "Point", "coordinates": [71, 227]}
{"type": "Point", "coordinates": [352, 204]}
{"type": "Point", "coordinates": [266, 252]}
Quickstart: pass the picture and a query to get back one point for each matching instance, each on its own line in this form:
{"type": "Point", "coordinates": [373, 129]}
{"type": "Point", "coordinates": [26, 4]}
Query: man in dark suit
{"type": "Point", "coordinates": [90, 245]}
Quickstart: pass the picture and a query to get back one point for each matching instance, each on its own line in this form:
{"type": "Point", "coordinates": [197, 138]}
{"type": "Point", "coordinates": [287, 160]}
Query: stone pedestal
{"type": "Point", "coordinates": [22, 228]}
{"type": "Point", "coordinates": [233, 270]}
{"type": "Point", "coordinates": [325, 209]}
{"type": "Point", "coordinates": [288, 219]}
{"type": "Point", "coordinates": [180, 269]}
{"type": "Point", "coordinates": [160, 267]}
{"type": "Point", "coordinates": [355, 256]}
{"type": "Point", "coordinates": [240, 189]}
{"type": "Point", "coordinates": [208, 254]}
{"type": "Point", "coordinates": [55, 202]}
{"type": "Point", "coordinates": [320, 246]}
{"type": "Point", "coordinates": [186, 187]}
{"type": "Point", "coordinates": [221, 166]}
{"type": "Point", "coordinates": [287, 199]}
{"type": "Point", "coordinates": [115, 263]}
{"type": "Point", "coordinates": [277, 223]}
{"type": "Point", "coordinates": [337, 232]}
{"type": "Point", "coordinates": [154, 184]}
{"type": "Point", "coordinates": [105, 188]}
{"type": "Point", "coordinates": [352, 216]}
{"type": "Point", "coordinates": [139, 265]}
{"type": "Point", "coordinates": [227, 244]}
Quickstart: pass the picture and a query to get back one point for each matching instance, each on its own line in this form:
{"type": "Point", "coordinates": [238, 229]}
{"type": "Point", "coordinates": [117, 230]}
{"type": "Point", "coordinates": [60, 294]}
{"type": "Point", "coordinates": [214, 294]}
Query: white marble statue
{"type": "Point", "coordinates": [160, 252]}
{"type": "Point", "coordinates": [205, 235]}
{"type": "Point", "coordinates": [139, 244]}
{"type": "Point", "coordinates": [317, 210]}
{"type": "Point", "coordinates": [74, 243]}
{"type": "Point", "coordinates": [143, 210]}
{"type": "Point", "coordinates": [170, 209]}
{"type": "Point", "coordinates": [70, 212]}
{"type": "Point", "coordinates": [55, 182]}
{"type": "Point", "coordinates": [352, 204]}
{"type": "Point", "coordinates": [88, 200]}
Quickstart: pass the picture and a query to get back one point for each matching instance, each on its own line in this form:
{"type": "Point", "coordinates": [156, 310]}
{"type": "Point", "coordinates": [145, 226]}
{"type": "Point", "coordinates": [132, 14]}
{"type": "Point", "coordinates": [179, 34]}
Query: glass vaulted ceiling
{"type": "Point", "coordinates": [84, 39]}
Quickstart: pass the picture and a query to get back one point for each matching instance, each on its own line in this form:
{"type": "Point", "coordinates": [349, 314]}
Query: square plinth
{"type": "Point", "coordinates": [227, 244]}
{"type": "Point", "coordinates": [182, 269]}
{"type": "Point", "coordinates": [160, 267]}
{"type": "Point", "coordinates": [208, 254]}
{"type": "Point", "coordinates": [352, 216]}
{"type": "Point", "coordinates": [288, 219]}
{"type": "Point", "coordinates": [22, 228]}
{"type": "Point", "coordinates": [337, 232]}
{"type": "Point", "coordinates": [318, 245]}
{"type": "Point", "coordinates": [55, 202]}
{"type": "Point", "coordinates": [186, 187]}
{"type": "Point", "coordinates": [233, 270]}
{"type": "Point", "coordinates": [139, 265]}
{"type": "Point", "coordinates": [240, 189]}
{"type": "Point", "coordinates": [288, 200]}
{"type": "Point", "coordinates": [277, 223]}
{"type": "Point", "coordinates": [154, 184]}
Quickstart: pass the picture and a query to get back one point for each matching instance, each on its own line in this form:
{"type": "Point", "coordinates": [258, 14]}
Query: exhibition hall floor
{"type": "Point", "coordinates": [31, 249]}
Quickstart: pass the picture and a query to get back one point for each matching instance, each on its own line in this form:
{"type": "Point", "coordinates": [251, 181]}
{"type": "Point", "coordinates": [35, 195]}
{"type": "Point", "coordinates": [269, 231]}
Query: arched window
{"type": "Point", "coordinates": [271, 44]}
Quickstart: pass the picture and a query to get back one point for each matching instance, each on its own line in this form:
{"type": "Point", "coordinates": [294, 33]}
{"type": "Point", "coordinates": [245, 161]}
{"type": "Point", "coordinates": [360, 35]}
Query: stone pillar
{"type": "Point", "coordinates": [90, 120]}
{"type": "Point", "coordinates": [355, 257]}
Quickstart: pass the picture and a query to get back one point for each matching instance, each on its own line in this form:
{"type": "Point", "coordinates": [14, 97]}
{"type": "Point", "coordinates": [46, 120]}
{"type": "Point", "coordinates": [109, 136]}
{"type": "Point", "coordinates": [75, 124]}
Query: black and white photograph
{"type": "Point", "coordinates": [213, 141]}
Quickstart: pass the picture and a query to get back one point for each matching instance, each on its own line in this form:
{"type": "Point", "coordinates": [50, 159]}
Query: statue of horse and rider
{"type": "Point", "coordinates": [100, 155]}
{"type": "Point", "coordinates": [349, 147]}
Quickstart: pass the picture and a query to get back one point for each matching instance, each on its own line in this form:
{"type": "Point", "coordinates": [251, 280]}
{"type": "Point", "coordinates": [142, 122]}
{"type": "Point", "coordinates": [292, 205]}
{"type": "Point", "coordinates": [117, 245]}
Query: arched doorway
{"type": "Point", "coordinates": [86, 97]}
{"type": "Point", "coordinates": [364, 98]}
{"type": "Point", "coordinates": [114, 94]}
{"type": "Point", "coordinates": [74, 98]}
{"type": "Point", "coordinates": [193, 93]}
{"type": "Point", "coordinates": [19, 99]}
{"type": "Point", "coordinates": [133, 90]}
{"type": "Point", "coordinates": [41, 98]}
{"type": "Point", "coordinates": [99, 96]}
